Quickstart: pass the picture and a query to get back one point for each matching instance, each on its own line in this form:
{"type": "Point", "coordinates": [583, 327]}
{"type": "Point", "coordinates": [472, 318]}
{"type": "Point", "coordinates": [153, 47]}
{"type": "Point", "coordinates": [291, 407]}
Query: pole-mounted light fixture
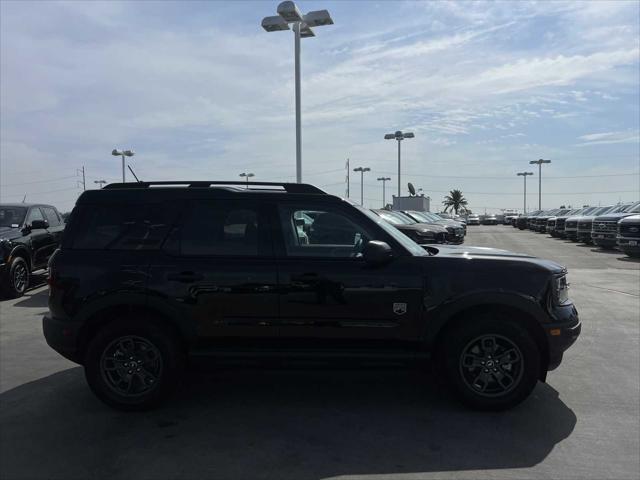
{"type": "Point", "coordinates": [399, 136]}
{"type": "Point", "coordinates": [384, 181]}
{"type": "Point", "coordinates": [539, 163]}
{"type": "Point", "coordinates": [289, 14]}
{"type": "Point", "coordinates": [123, 153]}
{"type": "Point", "coordinates": [362, 170]}
{"type": "Point", "coordinates": [525, 175]}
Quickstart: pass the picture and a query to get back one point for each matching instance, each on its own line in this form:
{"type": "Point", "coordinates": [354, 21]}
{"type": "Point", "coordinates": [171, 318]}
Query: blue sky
{"type": "Point", "coordinates": [199, 90]}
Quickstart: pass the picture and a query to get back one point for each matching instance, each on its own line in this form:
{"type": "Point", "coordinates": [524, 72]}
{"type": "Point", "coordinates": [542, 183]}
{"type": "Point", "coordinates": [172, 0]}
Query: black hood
{"type": "Point", "coordinates": [485, 253]}
{"type": "Point", "coordinates": [10, 233]}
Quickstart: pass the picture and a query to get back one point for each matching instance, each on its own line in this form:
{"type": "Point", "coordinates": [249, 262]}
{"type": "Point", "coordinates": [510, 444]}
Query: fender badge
{"type": "Point", "coordinates": [399, 308]}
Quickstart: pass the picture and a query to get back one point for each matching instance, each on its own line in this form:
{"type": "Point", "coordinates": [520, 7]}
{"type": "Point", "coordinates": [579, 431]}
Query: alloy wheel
{"type": "Point", "coordinates": [131, 366]}
{"type": "Point", "coordinates": [491, 365]}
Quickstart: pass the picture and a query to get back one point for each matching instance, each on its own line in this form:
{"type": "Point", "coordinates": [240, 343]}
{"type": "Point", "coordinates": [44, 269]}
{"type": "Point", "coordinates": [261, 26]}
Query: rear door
{"type": "Point", "coordinates": [39, 238]}
{"type": "Point", "coordinates": [217, 270]}
{"type": "Point", "coordinates": [56, 227]}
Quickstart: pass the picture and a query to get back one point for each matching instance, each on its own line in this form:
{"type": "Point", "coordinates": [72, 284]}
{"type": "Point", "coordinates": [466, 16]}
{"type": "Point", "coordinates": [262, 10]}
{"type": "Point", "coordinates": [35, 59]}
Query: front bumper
{"type": "Point", "coordinates": [629, 244]}
{"type": "Point", "coordinates": [62, 337]}
{"type": "Point", "coordinates": [603, 239]}
{"type": "Point", "coordinates": [563, 334]}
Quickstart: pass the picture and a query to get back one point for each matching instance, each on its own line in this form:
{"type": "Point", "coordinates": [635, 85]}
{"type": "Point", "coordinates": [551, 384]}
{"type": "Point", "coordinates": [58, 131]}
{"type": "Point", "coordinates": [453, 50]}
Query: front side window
{"type": "Point", "coordinates": [322, 232]}
{"type": "Point", "coordinates": [34, 214]}
{"type": "Point", "coordinates": [220, 230]}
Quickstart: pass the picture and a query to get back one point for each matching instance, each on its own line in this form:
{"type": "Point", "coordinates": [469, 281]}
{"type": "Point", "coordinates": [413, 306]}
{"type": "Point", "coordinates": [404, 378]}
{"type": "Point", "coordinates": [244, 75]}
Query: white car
{"type": "Point", "coordinates": [473, 219]}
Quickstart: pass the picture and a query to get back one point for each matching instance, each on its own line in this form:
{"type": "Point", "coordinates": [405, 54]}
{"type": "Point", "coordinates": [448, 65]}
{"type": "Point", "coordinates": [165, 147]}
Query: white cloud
{"type": "Point", "coordinates": [605, 138]}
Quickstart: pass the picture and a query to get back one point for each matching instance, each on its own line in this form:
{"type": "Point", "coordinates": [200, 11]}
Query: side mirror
{"type": "Point", "coordinates": [39, 224]}
{"type": "Point", "coordinates": [376, 252]}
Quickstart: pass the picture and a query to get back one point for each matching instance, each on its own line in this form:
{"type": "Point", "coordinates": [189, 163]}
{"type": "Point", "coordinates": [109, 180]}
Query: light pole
{"type": "Point", "coordinates": [362, 170]}
{"type": "Point", "coordinates": [100, 182]}
{"type": "Point", "coordinates": [288, 13]}
{"type": "Point", "coordinates": [399, 136]}
{"type": "Point", "coordinates": [123, 153]}
{"type": "Point", "coordinates": [384, 181]}
{"type": "Point", "coordinates": [247, 176]}
{"type": "Point", "coordinates": [525, 174]}
{"type": "Point", "coordinates": [539, 163]}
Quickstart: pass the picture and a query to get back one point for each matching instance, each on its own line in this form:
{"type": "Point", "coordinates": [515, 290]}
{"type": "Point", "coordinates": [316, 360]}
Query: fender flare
{"type": "Point", "coordinates": [440, 316]}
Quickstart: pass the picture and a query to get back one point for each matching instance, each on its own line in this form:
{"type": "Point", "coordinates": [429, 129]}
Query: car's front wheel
{"type": "Point", "coordinates": [18, 278]}
{"type": "Point", "coordinates": [133, 365]}
{"type": "Point", "coordinates": [491, 362]}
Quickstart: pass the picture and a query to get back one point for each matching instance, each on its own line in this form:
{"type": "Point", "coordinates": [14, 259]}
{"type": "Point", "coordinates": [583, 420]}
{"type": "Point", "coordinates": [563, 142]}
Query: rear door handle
{"type": "Point", "coordinates": [185, 277]}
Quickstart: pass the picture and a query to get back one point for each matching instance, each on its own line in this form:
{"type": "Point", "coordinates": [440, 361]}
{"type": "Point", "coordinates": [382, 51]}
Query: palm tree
{"type": "Point", "coordinates": [456, 200]}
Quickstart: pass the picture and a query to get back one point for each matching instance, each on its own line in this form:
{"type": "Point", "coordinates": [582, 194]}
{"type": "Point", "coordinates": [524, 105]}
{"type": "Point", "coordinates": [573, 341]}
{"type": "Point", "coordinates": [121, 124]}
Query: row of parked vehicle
{"type": "Point", "coordinates": [608, 227]}
{"type": "Point", "coordinates": [425, 228]}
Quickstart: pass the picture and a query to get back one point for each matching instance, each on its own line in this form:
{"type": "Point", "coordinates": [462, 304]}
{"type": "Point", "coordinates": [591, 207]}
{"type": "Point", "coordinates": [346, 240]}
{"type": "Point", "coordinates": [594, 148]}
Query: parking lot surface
{"type": "Point", "coordinates": [582, 424]}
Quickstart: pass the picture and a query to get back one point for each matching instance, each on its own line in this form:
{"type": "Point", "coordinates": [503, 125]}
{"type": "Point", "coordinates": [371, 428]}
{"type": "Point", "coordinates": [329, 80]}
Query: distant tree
{"type": "Point", "coordinates": [455, 200]}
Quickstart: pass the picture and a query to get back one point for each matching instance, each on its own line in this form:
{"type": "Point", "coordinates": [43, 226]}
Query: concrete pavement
{"type": "Point", "coordinates": [582, 424]}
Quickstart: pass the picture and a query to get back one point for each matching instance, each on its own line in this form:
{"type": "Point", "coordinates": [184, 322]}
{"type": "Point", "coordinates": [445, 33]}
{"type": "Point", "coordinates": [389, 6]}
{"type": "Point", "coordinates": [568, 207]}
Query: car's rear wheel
{"type": "Point", "coordinates": [133, 365]}
{"type": "Point", "coordinates": [490, 362]}
{"type": "Point", "coordinates": [17, 281]}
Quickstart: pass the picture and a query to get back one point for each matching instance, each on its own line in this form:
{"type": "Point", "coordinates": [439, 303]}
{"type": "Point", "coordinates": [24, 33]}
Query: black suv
{"type": "Point", "coordinates": [29, 234]}
{"type": "Point", "coordinates": [154, 277]}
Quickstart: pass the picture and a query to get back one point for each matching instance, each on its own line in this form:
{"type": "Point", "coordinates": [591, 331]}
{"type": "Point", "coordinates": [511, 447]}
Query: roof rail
{"type": "Point", "coordinates": [287, 187]}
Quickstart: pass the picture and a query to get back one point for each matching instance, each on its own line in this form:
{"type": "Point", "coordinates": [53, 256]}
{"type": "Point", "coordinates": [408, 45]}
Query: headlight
{"type": "Point", "coordinates": [561, 289]}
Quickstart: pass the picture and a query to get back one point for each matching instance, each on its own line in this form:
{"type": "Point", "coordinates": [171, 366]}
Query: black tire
{"type": "Point", "coordinates": [457, 352]}
{"type": "Point", "coordinates": [18, 278]}
{"type": "Point", "coordinates": [152, 371]}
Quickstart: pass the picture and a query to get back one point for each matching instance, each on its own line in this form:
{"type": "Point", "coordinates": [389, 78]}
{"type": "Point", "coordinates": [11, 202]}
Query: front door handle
{"type": "Point", "coordinates": [185, 277]}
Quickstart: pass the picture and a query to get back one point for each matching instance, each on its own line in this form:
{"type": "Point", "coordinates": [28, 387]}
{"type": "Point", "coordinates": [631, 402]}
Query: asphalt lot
{"type": "Point", "coordinates": [583, 423]}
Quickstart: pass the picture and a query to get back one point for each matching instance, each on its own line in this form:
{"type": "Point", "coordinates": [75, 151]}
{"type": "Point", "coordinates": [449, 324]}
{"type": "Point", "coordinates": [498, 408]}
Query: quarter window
{"type": "Point", "coordinates": [120, 227]}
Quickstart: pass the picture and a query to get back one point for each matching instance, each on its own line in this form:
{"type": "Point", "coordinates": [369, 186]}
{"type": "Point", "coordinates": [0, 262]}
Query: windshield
{"type": "Point", "coordinates": [398, 236]}
{"type": "Point", "coordinates": [602, 210]}
{"type": "Point", "coordinates": [12, 216]}
{"type": "Point", "coordinates": [621, 208]}
{"type": "Point", "coordinates": [635, 209]}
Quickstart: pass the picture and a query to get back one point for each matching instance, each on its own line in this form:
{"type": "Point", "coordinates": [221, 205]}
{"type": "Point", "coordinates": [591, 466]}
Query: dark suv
{"type": "Point", "coordinates": [154, 277]}
{"type": "Point", "coordinates": [29, 234]}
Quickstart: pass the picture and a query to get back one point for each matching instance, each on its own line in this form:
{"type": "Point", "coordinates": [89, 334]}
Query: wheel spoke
{"type": "Point", "coordinates": [470, 360]}
{"type": "Point", "coordinates": [482, 376]}
{"type": "Point", "coordinates": [488, 344]}
{"type": "Point", "coordinates": [126, 345]}
{"type": "Point", "coordinates": [500, 377]}
{"type": "Point", "coordinates": [510, 356]}
{"type": "Point", "coordinates": [146, 377]}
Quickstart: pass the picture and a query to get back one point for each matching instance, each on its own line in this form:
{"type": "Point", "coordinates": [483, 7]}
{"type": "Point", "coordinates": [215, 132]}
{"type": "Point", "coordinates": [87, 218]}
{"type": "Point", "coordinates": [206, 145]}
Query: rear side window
{"type": "Point", "coordinates": [120, 227]}
{"type": "Point", "coordinates": [52, 216]}
{"type": "Point", "coordinates": [222, 230]}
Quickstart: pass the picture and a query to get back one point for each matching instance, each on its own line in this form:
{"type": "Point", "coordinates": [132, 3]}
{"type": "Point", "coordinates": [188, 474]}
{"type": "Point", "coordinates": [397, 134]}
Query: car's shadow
{"type": "Point", "coordinates": [33, 299]}
{"type": "Point", "coordinates": [275, 424]}
{"type": "Point", "coordinates": [629, 259]}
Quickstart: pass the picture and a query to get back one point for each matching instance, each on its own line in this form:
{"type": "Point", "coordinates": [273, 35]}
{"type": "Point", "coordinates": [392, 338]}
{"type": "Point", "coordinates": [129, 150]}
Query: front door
{"type": "Point", "coordinates": [218, 270]}
{"type": "Point", "coordinates": [329, 295]}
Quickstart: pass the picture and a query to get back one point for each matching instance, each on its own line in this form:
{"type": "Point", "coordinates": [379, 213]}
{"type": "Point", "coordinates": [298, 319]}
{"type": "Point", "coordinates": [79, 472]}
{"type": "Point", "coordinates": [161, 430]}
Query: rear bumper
{"type": "Point", "coordinates": [62, 337]}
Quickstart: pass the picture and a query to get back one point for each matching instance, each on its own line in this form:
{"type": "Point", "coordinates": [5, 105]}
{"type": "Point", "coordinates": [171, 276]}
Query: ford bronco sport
{"type": "Point", "coordinates": [154, 277]}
